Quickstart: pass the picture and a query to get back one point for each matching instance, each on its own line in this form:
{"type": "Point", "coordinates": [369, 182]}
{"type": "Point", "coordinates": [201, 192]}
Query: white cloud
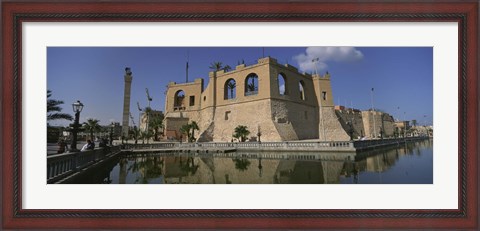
{"type": "Point", "coordinates": [325, 54]}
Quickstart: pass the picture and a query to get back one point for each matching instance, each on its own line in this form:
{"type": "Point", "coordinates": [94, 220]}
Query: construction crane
{"type": "Point", "coordinates": [148, 96]}
{"type": "Point", "coordinates": [133, 121]}
{"type": "Point", "coordinates": [149, 100]}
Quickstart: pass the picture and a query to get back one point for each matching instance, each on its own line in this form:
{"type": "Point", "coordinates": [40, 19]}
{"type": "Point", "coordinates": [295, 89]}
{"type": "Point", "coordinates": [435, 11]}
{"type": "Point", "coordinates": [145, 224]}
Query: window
{"type": "Point", "coordinates": [192, 100]}
{"type": "Point", "coordinates": [230, 89]}
{"type": "Point", "coordinates": [204, 98]}
{"type": "Point", "coordinates": [301, 88]}
{"type": "Point", "coordinates": [282, 87]}
{"type": "Point", "coordinates": [227, 114]}
{"type": "Point", "coordinates": [251, 84]}
{"type": "Point", "coordinates": [324, 95]}
{"type": "Point", "coordinates": [179, 97]}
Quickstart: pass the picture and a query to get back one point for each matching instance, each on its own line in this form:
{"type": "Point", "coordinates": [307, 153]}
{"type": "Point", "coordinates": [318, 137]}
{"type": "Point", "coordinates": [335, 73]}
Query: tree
{"type": "Point", "coordinates": [231, 86]}
{"type": "Point", "coordinates": [156, 124]}
{"type": "Point", "coordinates": [135, 133]}
{"type": "Point", "coordinates": [241, 164]}
{"type": "Point", "coordinates": [147, 135]}
{"type": "Point", "coordinates": [189, 130]}
{"type": "Point", "coordinates": [92, 126]}
{"type": "Point", "coordinates": [193, 126]}
{"type": "Point", "coordinates": [227, 68]}
{"type": "Point", "coordinates": [251, 86]}
{"type": "Point", "coordinates": [414, 122]}
{"type": "Point", "coordinates": [54, 109]}
{"type": "Point", "coordinates": [216, 66]}
{"type": "Point", "coordinates": [185, 129]}
{"type": "Point", "coordinates": [241, 132]}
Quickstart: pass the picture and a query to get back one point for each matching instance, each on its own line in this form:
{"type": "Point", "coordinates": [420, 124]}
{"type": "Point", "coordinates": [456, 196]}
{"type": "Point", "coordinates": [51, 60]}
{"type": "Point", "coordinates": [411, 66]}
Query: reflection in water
{"type": "Point", "coordinates": [411, 163]}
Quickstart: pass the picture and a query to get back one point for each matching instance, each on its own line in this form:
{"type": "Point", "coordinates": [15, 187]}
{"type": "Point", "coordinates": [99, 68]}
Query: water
{"type": "Point", "coordinates": [406, 164]}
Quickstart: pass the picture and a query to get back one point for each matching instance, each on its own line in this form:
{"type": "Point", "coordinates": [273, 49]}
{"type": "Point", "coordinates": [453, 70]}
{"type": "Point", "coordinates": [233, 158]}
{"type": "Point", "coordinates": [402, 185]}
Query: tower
{"type": "Point", "coordinates": [126, 100]}
{"type": "Point", "coordinates": [323, 92]}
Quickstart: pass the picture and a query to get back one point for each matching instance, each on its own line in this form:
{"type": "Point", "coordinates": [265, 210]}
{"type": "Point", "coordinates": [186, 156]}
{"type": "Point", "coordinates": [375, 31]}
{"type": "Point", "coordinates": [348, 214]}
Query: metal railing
{"type": "Point", "coordinates": [362, 144]}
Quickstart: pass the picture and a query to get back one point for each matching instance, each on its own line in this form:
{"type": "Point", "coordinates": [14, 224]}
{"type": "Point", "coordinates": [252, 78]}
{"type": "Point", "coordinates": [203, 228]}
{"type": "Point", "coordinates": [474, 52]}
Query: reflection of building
{"type": "Point", "coordinates": [208, 170]}
{"type": "Point", "coordinates": [331, 169]}
{"type": "Point", "coordinates": [286, 104]}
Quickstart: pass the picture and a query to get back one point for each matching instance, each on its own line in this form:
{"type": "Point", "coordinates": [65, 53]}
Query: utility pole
{"type": "Point", "coordinates": [149, 109]}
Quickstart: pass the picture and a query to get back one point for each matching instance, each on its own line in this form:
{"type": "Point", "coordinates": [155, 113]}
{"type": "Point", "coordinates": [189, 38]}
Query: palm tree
{"type": "Point", "coordinates": [227, 68]}
{"type": "Point", "coordinates": [414, 122]}
{"type": "Point", "coordinates": [147, 135]}
{"type": "Point", "coordinates": [231, 85]}
{"type": "Point", "coordinates": [251, 86]}
{"type": "Point", "coordinates": [156, 123]}
{"type": "Point", "coordinates": [216, 66]}
{"type": "Point", "coordinates": [135, 132]}
{"type": "Point", "coordinates": [241, 132]}
{"type": "Point", "coordinates": [193, 126]}
{"type": "Point", "coordinates": [241, 164]}
{"type": "Point", "coordinates": [185, 129]}
{"type": "Point", "coordinates": [92, 126]}
{"type": "Point", "coordinates": [54, 109]}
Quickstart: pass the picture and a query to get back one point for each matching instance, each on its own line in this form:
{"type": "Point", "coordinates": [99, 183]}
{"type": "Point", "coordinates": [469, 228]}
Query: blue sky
{"type": "Point", "coordinates": [402, 77]}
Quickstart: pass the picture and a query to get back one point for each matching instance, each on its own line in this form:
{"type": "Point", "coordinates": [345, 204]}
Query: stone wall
{"type": "Point", "coordinates": [354, 117]}
{"type": "Point", "coordinates": [331, 126]}
{"type": "Point", "coordinates": [254, 115]}
{"type": "Point", "coordinates": [294, 121]}
{"type": "Point", "coordinates": [381, 121]}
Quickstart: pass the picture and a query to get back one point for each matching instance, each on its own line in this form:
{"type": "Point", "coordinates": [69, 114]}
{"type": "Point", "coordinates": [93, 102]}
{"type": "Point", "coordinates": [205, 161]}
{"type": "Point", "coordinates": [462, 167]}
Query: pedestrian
{"type": "Point", "coordinates": [61, 146]}
{"type": "Point", "coordinates": [88, 146]}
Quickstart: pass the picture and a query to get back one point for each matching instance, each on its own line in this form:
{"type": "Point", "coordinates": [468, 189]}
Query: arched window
{"type": "Point", "coordinates": [251, 84]}
{"type": "Point", "coordinates": [179, 99]}
{"type": "Point", "coordinates": [301, 88]}
{"type": "Point", "coordinates": [230, 89]}
{"type": "Point", "coordinates": [282, 87]}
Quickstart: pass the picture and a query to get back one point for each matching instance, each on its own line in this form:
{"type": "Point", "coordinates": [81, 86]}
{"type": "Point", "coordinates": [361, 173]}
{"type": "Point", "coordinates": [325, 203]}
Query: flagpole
{"type": "Point", "coordinates": [373, 111]}
{"type": "Point", "coordinates": [187, 68]}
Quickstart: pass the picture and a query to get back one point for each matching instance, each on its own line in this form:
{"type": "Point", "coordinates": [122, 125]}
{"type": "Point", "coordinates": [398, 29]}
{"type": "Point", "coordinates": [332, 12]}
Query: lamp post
{"type": "Point", "coordinates": [77, 108]}
{"type": "Point", "coordinates": [373, 113]}
{"type": "Point", "coordinates": [259, 133]}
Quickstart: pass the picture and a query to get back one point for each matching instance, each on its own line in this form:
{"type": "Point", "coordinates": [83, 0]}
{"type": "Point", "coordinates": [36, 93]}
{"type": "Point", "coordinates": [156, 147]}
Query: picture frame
{"type": "Point", "coordinates": [14, 13]}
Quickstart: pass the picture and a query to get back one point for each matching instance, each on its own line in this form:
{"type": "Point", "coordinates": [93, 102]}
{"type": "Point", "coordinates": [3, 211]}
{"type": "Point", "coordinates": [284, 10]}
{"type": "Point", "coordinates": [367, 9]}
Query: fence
{"type": "Point", "coordinates": [367, 144]}
{"type": "Point", "coordinates": [62, 165]}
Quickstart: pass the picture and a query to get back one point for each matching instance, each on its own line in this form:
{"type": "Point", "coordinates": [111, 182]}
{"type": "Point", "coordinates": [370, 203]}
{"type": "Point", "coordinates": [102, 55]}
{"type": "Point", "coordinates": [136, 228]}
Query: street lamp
{"type": "Point", "coordinates": [77, 108]}
{"type": "Point", "coordinates": [259, 133]}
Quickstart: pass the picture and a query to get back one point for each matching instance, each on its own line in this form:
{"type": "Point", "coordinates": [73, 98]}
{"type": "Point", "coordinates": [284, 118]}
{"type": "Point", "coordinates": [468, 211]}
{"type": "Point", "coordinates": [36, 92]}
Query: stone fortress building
{"type": "Point", "coordinates": [272, 99]}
